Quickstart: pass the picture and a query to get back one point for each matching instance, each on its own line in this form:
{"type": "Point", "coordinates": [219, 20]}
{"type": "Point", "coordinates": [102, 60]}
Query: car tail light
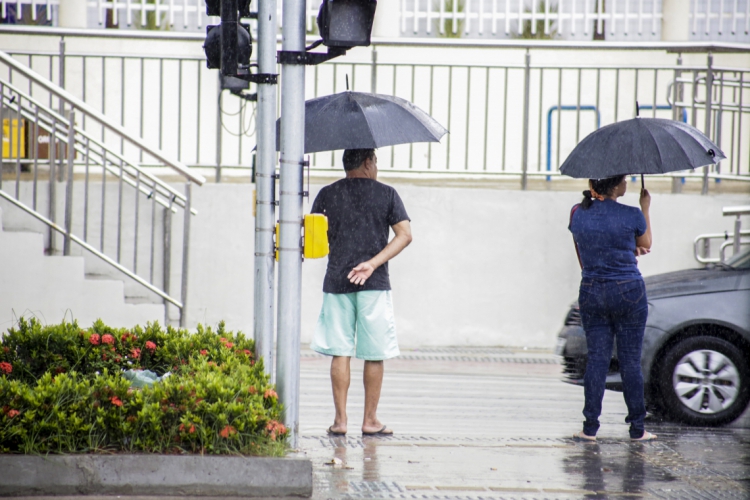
{"type": "Point", "coordinates": [574, 317]}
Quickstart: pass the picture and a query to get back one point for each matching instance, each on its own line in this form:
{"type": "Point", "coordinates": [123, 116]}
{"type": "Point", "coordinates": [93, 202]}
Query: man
{"type": "Point", "coordinates": [357, 314]}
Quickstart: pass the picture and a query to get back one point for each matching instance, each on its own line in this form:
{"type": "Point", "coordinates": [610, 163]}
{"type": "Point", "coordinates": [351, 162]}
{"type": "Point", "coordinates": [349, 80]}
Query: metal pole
{"type": "Point", "coordinates": [219, 132]}
{"type": "Point", "coordinates": [61, 72]}
{"type": "Point", "coordinates": [69, 184]}
{"type": "Point", "coordinates": [167, 256]}
{"type": "Point", "coordinates": [525, 146]}
{"type": "Point", "coordinates": [707, 128]}
{"type": "Point", "coordinates": [676, 112]}
{"type": "Point", "coordinates": [737, 235]}
{"type": "Point", "coordinates": [185, 252]}
{"type": "Point", "coordinates": [290, 216]}
{"type": "Point", "coordinates": [265, 185]}
{"type": "Point", "coordinates": [51, 154]}
{"type": "Point", "coordinates": [374, 71]}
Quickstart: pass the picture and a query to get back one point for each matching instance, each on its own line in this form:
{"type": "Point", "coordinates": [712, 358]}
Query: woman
{"type": "Point", "coordinates": [612, 296]}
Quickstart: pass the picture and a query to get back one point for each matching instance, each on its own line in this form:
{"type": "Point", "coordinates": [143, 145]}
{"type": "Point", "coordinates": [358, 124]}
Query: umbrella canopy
{"type": "Point", "coordinates": [640, 146]}
{"type": "Point", "coordinates": [357, 120]}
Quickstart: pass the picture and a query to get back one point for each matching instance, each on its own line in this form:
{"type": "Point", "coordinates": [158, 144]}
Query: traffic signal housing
{"type": "Point", "coordinates": [346, 23]}
{"type": "Point", "coordinates": [228, 45]}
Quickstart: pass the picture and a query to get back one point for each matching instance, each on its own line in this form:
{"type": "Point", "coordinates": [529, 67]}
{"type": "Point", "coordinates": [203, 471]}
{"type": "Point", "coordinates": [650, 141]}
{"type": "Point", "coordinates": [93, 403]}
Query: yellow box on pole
{"type": "Point", "coordinates": [276, 243]}
{"type": "Point", "coordinates": [316, 236]}
{"type": "Point", "coordinates": [12, 132]}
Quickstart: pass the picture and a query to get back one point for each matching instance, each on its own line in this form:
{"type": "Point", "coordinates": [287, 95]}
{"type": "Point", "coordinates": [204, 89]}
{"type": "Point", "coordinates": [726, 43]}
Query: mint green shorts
{"type": "Point", "coordinates": [357, 324]}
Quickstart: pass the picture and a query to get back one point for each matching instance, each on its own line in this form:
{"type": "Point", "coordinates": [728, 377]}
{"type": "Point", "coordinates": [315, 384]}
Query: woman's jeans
{"type": "Point", "coordinates": [613, 310]}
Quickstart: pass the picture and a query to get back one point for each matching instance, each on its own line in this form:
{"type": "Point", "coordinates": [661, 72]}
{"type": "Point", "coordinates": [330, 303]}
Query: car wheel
{"type": "Point", "coordinates": [704, 381]}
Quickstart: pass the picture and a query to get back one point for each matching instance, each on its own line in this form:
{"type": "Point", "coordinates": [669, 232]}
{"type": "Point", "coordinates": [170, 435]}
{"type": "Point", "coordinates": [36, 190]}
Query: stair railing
{"type": "Point", "coordinates": [43, 146]}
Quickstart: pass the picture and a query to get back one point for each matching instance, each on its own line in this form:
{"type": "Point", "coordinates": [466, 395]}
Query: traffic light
{"type": "Point", "coordinates": [346, 23]}
{"type": "Point", "coordinates": [229, 45]}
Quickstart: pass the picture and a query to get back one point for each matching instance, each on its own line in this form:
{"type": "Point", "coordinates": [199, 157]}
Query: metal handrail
{"type": "Point", "coordinates": [675, 47]}
{"type": "Point", "coordinates": [172, 193]}
{"type": "Point", "coordinates": [63, 138]}
{"type": "Point", "coordinates": [741, 210]}
{"type": "Point", "coordinates": [100, 118]}
{"type": "Point", "coordinates": [66, 140]}
{"type": "Point", "coordinates": [91, 249]}
{"type": "Point", "coordinates": [702, 239]}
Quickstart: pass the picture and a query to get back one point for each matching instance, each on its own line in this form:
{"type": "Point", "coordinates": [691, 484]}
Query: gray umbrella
{"type": "Point", "coordinates": [354, 120]}
{"type": "Point", "coordinates": [640, 146]}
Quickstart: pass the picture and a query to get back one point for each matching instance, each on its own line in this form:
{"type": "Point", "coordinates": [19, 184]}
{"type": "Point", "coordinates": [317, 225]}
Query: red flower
{"type": "Point", "coordinates": [124, 337]}
{"type": "Point", "coordinates": [150, 346]}
{"type": "Point", "coordinates": [104, 356]}
{"type": "Point", "coordinates": [228, 345]}
{"type": "Point", "coordinates": [135, 352]}
{"type": "Point", "coordinates": [59, 370]}
{"type": "Point", "coordinates": [252, 390]}
{"type": "Point", "coordinates": [191, 430]}
{"type": "Point", "coordinates": [211, 363]}
{"type": "Point", "coordinates": [222, 339]}
{"type": "Point", "coordinates": [95, 339]}
{"type": "Point", "coordinates": [270, 393]}
{"type": "Point", "coordinates": [247, 352]}
{"type": "Point", "coordinates": [115, 401]}
{"type": "Point", "coordinates": [6, 349]}
{"type": "Point", "coordinates": [108, 339]}
{"type": "Point", "coordinates": [6, 367]}
{"type": "Point", "coordinates": [204, 352]}
{"type": "Point", "coordinates": [13, 413]}
{"type": "Point", "coordinates": [275, 428]}
{"type": "Point", "coordinates": [228, 431]}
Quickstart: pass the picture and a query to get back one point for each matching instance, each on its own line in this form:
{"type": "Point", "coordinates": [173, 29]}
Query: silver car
{"type": "Point", "coordinates": [696, 347]}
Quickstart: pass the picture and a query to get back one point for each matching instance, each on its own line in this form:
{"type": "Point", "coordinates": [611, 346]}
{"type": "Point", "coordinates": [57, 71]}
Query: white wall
{"type": "Point", "coordinates": [488, 266]}
{"type": "Point", "coordinates": [497, 267]}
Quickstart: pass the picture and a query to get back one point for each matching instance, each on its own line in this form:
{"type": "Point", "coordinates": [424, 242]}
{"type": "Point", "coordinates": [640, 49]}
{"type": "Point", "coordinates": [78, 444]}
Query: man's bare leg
{"type": "Point", "coordinates": [373, 379]}
{"type": "Point", "coordinates": [340, 379]}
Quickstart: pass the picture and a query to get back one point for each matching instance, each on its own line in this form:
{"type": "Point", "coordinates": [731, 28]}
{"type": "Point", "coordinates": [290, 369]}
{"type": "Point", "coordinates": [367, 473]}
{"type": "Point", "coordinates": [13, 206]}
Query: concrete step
{"type": "Point", "coordinates": [55, 288]}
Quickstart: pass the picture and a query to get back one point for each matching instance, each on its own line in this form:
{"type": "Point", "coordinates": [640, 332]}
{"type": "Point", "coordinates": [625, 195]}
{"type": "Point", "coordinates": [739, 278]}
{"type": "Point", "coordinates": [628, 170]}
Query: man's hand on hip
{"type": "Point", "coordinates": [359, 274]}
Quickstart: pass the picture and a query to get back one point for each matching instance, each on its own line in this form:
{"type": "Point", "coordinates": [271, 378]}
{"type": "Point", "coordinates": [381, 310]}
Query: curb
{"type": "Point", "coordinates": [154, 475]}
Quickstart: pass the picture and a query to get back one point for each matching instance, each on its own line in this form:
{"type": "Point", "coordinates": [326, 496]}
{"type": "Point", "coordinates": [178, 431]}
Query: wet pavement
{"type": "Point", "coordinates": [495, 424]}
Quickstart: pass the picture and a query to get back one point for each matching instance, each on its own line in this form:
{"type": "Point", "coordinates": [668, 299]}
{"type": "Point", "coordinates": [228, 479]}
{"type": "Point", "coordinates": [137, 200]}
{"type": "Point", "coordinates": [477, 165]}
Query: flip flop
{"type": "Point", "coordinates": [381, 432]}
{"type": "Point", "coordinates": [584, 438]}
{"type": "Point", "coordinates": [331, 432]}
{"type": "Point", "coordinates": [647, 436]}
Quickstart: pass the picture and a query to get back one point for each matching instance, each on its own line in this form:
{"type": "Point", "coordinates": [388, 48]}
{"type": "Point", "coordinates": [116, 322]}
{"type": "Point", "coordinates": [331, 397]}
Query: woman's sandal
{"type": "Point", "coordinates": [585, 438]}
{"type": "Point", "coordinates": [647, 436]}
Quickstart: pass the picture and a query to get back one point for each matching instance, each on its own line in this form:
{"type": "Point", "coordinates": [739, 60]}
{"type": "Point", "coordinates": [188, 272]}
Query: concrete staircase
{"type": "Point", "coordinates": [53, 288]}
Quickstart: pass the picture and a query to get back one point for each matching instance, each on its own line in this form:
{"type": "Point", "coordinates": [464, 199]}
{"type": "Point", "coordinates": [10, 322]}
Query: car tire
{"type": "Point", "coordinates": [704, 381]}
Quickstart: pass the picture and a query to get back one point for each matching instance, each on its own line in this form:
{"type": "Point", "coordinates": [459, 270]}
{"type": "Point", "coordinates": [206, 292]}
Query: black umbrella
{"type": "Point", "coordinates": [640, 146]}
{"type": "Point", "coordinates": [357, 120]}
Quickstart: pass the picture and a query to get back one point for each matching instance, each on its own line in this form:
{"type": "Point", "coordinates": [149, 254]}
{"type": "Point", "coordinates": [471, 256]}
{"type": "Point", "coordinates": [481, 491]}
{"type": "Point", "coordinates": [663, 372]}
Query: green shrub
{"type": "Point", "coordinates": [62, 391]}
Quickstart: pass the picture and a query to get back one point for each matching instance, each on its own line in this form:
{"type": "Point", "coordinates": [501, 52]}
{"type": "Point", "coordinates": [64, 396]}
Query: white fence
{"type": "Point", "coordinates": [519, 18]}
{"type": "Point", "coordinates": [717, 20]}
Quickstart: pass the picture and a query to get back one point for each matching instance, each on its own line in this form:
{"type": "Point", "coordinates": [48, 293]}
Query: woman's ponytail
{"type": "Point", "coordinates": [587, 200]}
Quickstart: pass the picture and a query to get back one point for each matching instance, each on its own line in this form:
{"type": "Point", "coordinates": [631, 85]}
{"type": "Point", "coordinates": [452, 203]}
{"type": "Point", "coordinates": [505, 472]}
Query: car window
{"type": "Point", "coordinates": [740, 261]}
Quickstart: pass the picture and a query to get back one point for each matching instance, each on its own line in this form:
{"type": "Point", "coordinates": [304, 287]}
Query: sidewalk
{"type": "Point", "coordinates": [495, 424]}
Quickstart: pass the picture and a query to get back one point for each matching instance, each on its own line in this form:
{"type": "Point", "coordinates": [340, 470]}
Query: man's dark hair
{"type": "Point", "coordinates": [353, 158]}
{"type": "Point", "coordinates": [604, 187]}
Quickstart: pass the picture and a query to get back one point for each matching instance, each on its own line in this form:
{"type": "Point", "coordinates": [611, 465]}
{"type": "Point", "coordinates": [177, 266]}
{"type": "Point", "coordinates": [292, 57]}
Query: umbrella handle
{"type": "Point", "coordinates": [643, 186]}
